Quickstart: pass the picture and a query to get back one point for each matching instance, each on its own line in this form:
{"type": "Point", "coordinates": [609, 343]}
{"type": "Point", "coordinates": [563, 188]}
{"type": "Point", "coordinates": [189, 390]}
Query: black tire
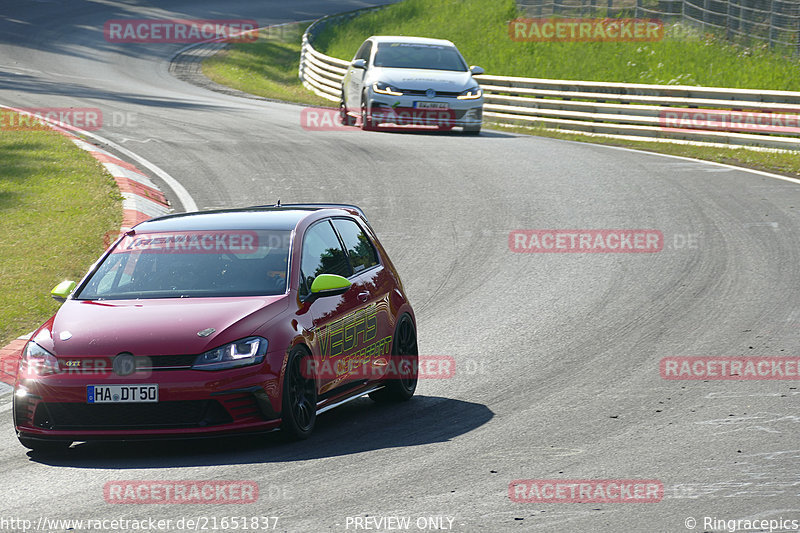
{"type": "Point", "coordinates": [344, 117]}
{"type": "Point", "coordinates": [299, 406]}
{"type": "Point", "coordinates": [366, 121]}
{"type": "Point", "coordinates": [45, 446]}
{"type": "Point", "coordinates": [472, 130]}
{"type": "Point", "coordinates": [405, 358]}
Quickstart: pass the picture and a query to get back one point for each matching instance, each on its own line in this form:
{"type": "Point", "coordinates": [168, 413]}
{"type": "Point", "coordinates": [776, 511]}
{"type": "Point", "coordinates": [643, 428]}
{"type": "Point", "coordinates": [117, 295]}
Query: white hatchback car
{"type": "Point", "coordinates": [411, 81]}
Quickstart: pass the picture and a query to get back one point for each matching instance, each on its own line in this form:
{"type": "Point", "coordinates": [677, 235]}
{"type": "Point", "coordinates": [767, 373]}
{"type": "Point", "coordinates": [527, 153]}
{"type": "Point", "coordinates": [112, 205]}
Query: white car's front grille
{"type": "Point", "coordinates": [439, 94]}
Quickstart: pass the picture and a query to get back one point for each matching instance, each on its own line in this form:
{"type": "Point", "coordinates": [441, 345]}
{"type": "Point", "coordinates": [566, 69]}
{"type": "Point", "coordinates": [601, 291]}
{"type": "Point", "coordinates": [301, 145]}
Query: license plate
{"type": "Point", "coordinates": [431, 105]}
{"type": "Point", "coordinates": [122, 393]}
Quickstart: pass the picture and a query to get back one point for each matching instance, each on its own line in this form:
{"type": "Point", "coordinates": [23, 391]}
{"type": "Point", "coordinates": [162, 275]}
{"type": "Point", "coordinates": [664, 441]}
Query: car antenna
{"type": "Point", "coordinates": [279, 203]}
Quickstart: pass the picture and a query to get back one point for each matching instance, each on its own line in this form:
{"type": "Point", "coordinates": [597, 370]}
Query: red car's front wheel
{"type": "Point", "coordinates": [299, 412]}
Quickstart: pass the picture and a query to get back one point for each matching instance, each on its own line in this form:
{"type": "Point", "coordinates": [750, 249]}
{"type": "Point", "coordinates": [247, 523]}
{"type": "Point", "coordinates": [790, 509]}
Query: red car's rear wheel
{"type": "Point", "coordinates": [405, 362]}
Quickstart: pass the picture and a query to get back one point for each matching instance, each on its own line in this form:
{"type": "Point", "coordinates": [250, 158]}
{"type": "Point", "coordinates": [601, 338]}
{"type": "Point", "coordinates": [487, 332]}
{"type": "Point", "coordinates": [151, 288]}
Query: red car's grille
{"type": "Point", "coordinates": [165, 362]}
{"type": "Point", "coordinates": [23, 410]}
{"type": "Point", "coordinates": [162, 415]}
{"type": "Point", "coordinates": [156, 362]}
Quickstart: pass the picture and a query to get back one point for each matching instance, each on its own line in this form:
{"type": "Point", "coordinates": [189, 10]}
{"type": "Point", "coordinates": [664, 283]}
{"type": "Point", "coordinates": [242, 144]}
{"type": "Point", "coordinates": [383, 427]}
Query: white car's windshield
{"type": "Point", "coordinates": [422, 56]}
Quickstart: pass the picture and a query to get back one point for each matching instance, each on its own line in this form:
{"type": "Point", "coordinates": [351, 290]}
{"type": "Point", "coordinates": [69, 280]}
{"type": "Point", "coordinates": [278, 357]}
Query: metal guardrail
{"type": "Point", "coordinates": [775, 22]}
{"type": "Point", "coordinates": [320, 73]}
{"type": "Point", "coordinates": [666, 113]}
{"type": "Point", "coordinates": [656, 112]}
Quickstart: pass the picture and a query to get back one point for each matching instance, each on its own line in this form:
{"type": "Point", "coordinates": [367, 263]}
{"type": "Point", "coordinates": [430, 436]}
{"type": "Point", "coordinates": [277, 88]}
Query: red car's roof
{"type": "Point", "coordinates": [260, 217]}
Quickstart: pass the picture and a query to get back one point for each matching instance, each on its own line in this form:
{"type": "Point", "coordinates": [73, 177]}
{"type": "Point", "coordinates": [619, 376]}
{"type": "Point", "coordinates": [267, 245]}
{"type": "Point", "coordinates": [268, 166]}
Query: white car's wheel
{"type": "Point", "coordinates": [344, 117]}
{"type": "Point", "coordinates": [366, 120]}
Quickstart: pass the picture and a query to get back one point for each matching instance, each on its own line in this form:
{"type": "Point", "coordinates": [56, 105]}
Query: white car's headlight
{"type": "Point", "coordinates": [249, 351]}
{"type": "Point", "coordinates": [385, 88]}
{"type": "Point", "coordinates": [473, 93]}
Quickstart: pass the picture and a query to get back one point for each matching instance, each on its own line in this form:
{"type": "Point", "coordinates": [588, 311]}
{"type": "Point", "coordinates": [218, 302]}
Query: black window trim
{"type": "Point", "coordinates": [372, 47]}
{"type": "Point", "coordinates": [369, 55]}
{"type": "Point", "coordinates": [301, 276]}
{"type": "Point", "coordinates": [344, 246]}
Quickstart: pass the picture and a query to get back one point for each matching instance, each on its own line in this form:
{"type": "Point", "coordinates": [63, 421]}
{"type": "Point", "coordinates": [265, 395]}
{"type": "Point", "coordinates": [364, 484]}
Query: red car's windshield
{"type": "Point", "coordinates": [192, 264]}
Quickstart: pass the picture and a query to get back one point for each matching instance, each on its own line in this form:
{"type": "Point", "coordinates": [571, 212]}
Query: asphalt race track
{"type": "Point", "coordinates": [557, 354]}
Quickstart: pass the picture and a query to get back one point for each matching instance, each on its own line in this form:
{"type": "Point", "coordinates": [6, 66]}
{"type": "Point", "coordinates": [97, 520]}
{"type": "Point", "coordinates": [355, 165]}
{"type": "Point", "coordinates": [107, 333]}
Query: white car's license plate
{"type": "Point", "coordinates": [122, 393]}
{"type": "Point", "coordinates": [431, 105]}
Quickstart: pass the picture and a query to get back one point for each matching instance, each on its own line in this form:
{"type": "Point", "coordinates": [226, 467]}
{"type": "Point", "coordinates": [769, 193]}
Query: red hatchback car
{"type": "Point", "coordinates": [219, 322]}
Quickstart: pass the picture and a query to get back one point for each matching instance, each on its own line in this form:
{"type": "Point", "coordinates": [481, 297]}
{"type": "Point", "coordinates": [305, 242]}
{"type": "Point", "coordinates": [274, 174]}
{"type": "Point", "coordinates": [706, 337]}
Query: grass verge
{"type": "Point", "coordinates": [480, 30]}
{"type": "Point", "coordinates": [267, 67]}
{"type": "Point", "coordinates": [56, 204]}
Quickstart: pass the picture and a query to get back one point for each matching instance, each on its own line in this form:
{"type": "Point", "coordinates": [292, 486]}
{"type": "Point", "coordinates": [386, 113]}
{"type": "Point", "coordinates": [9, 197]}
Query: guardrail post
{"type": "Point", "coordinates": [302, 66]}
{"type": "Point", "coordinates": [771, 22]}
{"type": "Point", "coordinates": [728, 21]}
{"type": "Point", "coordinates": [705, 14]}
{"type": "Point", "coordinates": [741, 23]}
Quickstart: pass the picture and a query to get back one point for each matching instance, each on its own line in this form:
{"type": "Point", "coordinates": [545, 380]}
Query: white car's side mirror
{"type": "Point", "coordinates": [359, 63]}
{"type": "Point", "coordinates": [476, 70]}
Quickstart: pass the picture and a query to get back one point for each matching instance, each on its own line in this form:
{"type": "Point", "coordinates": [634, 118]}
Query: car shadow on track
{"type": "Point", "coordinates": [359, 426]}
{"type": "Point", "coordinates": [442, 133]}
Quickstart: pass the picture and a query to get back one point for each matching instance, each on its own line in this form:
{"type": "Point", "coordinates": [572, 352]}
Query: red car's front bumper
{"type": "Point", "coordinates": [191, 403]}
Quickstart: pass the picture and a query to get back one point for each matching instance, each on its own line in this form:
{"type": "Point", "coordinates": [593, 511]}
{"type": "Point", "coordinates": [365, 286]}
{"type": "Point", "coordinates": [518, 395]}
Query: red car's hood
{"type": "Point", "coordinates": [155, 327]}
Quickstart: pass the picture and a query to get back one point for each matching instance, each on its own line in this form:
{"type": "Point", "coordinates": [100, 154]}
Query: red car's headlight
{"type": "Point", "coordinates": [36, 361]}
{"type": "Point", "coordinates": [249, 351]}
